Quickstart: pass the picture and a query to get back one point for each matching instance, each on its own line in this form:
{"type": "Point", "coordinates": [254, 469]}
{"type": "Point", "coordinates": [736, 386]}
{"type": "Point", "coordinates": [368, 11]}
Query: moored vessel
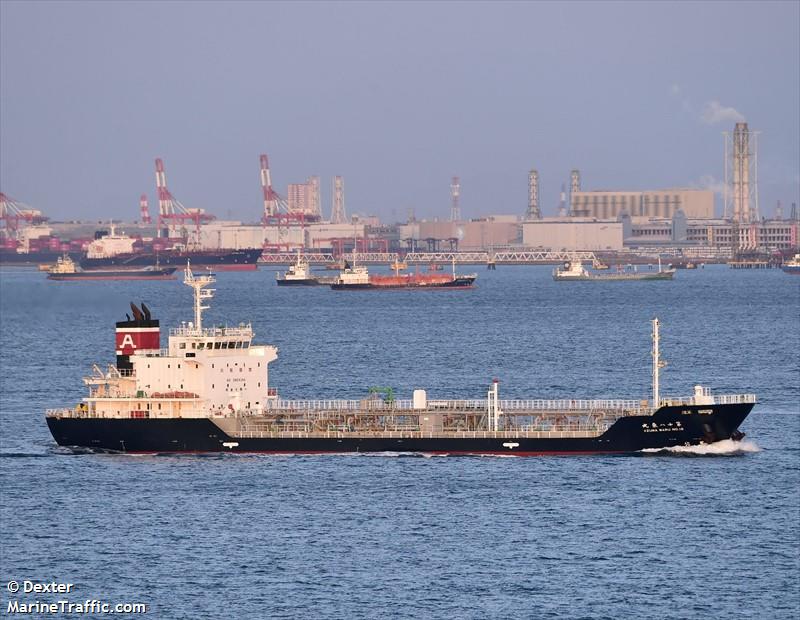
{"type": "Point", "coordinates": [792, 265]}
{"type": "Point", "coordinates": [119, 250]}
{"type": "Point", "coordinates": [208, 391]}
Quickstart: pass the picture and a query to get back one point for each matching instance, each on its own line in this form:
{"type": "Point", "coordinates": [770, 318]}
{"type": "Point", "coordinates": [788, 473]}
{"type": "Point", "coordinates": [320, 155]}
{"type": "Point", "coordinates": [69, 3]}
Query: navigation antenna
{"type": "Point", "coordinates": [657, 363]}
{"type": "Point", "coordinates": [198, 283]}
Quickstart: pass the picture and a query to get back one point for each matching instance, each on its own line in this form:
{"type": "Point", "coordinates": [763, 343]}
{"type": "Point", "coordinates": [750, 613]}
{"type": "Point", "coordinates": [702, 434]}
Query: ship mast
{"type": "Point", "coordinates": [658, 364]}
{"type": "Point", "coordinates": [198, 283]}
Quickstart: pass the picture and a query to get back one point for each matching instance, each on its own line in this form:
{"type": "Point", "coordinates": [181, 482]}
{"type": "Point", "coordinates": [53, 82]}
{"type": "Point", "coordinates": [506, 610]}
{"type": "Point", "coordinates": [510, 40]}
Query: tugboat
{"type": "Point", "coordinates": [65, 269]}
{"type": "Point", "coordinates": [300, 274]}
{"type": "Point", "coordinates": [575, 271]}
{"type": "Point", "coordinates": [209, 392]}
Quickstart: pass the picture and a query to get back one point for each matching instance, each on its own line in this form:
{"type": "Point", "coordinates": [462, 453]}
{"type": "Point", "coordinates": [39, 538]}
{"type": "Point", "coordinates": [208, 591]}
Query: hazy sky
{"type": "Point", "coordinates": [396, 97]}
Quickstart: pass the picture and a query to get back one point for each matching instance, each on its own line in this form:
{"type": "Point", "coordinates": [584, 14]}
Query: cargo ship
{"type": "Point", "coordinates": [354, 277]}
{"type": "Point", "coordinates": [119, 250]}
{"type": "Point", "coordinates": [65, 269]}
{"type": "Point", "coordinates": [208, 391]}
{"type": "Point", "coordinates": [220, 260]}
{"type": "Point", "coordinates": [575, 271]}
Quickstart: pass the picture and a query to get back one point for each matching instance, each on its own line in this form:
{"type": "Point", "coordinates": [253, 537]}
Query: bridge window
{"type": "Point", "coordinates": [217, 345]}
{"type": "Point", "coordinates": [182, 345]}
{"type": "Point", "coordinates": [201, 345]}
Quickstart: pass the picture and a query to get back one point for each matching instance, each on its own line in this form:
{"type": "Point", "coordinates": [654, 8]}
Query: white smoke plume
{"type": "Point", "coordinates": [709, 181]}
{"type": "Point", "coordinates": [714, 112]}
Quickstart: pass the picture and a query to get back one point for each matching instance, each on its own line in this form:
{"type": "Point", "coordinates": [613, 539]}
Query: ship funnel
{"type": "Point", "coordinates": [138, 335]}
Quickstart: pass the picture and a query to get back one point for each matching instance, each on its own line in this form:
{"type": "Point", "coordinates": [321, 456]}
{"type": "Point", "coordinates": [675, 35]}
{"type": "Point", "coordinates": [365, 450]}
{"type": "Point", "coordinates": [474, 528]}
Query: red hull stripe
{"type": "Point", "coordinates": [421, 452]}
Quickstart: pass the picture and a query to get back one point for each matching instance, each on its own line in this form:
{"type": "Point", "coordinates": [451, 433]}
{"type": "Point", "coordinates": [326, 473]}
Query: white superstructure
{"type": "Point", "coordinates": [353, 274]}
{"type": "Point", "coordinates": [204, 371]}
{"type": "Point", "coordinates": [300, 271]}
{"type": "Point", "coordinates": [110, 245]}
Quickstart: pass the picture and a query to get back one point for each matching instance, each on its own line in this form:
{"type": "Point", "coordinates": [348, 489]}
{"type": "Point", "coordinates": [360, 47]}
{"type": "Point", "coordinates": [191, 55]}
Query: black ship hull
{"type": "Point", "coordinates": [12, 257]}
{"type": "Point", "coordinates": [230, 260]}
{"type": "Point", "coordinates": [305, 282]}
{"type": "Point", "coordinates": [117, 274]}
{"type": "Point", "coordinates": [668, 427]}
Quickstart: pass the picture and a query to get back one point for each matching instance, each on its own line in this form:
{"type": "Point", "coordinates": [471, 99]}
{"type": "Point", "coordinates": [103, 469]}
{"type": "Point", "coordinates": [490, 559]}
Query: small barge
{"type": "Point", "coordinates": [65, 269]}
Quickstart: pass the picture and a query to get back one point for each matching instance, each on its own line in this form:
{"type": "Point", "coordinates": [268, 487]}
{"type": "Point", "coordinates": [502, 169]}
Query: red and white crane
{"type": "Point", "coordinates": [172, 215]}
{"type": "Point", "coordinates": [274, 203]}
{"type": "Point", "coordinates": [13, 212]}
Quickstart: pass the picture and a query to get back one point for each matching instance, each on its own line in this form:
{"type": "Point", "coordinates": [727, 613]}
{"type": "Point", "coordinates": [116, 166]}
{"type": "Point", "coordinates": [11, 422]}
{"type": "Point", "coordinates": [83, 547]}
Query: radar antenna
{"type": "Point", "coordinates": [198, 283]}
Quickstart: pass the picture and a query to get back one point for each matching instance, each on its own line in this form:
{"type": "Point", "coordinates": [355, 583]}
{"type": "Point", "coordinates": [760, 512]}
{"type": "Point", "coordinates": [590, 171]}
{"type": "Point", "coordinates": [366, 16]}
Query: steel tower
{"type": "Point", "coordinates": [534, 213]}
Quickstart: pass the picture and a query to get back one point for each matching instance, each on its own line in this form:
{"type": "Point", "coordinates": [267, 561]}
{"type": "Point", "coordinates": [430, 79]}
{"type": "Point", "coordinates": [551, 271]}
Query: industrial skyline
{"type": "Point", "coordinates": [546, 87]}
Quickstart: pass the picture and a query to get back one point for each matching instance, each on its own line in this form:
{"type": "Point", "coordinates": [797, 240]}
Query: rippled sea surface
{"type": "Point", "coordinates": [675, 535]}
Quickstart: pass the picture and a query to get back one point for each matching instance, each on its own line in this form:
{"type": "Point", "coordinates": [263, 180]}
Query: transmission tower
{"type": "Point", "coordinates": [533, 213]}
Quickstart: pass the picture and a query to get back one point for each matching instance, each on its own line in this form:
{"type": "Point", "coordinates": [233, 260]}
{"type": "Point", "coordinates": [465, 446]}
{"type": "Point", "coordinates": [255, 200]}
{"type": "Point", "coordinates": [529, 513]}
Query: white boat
{"type": "Point", "coordinates": [352, 276]}
{"type": "Point", "coordinates": [300, 274]}
{"type": "Point", "coordinates": [575, 271]}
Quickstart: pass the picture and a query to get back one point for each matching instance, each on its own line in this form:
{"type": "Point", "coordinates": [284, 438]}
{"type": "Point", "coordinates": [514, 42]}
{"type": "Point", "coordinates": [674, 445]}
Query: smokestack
{"type": "Point", "coordinates": [455, 192]}
{"type": "Point", "coordinates": [741, 173]}
{"type": "Point", "coordinates": [338, 214]}
{"type": "Point", "coordinates": [140, 334]}
{"type": "Point", "coordinates": [574, 181]}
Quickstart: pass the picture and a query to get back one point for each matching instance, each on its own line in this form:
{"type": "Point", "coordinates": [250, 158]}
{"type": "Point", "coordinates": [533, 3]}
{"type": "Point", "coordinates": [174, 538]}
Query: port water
{"type": "Point", "coordinates": [685, 534]}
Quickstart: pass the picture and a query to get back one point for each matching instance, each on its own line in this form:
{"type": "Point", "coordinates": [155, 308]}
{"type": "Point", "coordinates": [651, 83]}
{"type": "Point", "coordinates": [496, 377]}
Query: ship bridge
{"type": "Point", "coordinates": [187, 340]}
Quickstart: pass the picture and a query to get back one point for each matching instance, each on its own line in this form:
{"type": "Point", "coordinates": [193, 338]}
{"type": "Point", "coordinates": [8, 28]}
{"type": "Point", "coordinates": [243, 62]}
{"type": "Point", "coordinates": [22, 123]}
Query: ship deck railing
{"type": "Point", "coordinates": [557, 433]}
{"type": "Point", "coordinates": [716, 399]}
{"type": "Point", "coordinates": [437, 405]}
{"type": "Point", "coordinates": [244, 330]}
